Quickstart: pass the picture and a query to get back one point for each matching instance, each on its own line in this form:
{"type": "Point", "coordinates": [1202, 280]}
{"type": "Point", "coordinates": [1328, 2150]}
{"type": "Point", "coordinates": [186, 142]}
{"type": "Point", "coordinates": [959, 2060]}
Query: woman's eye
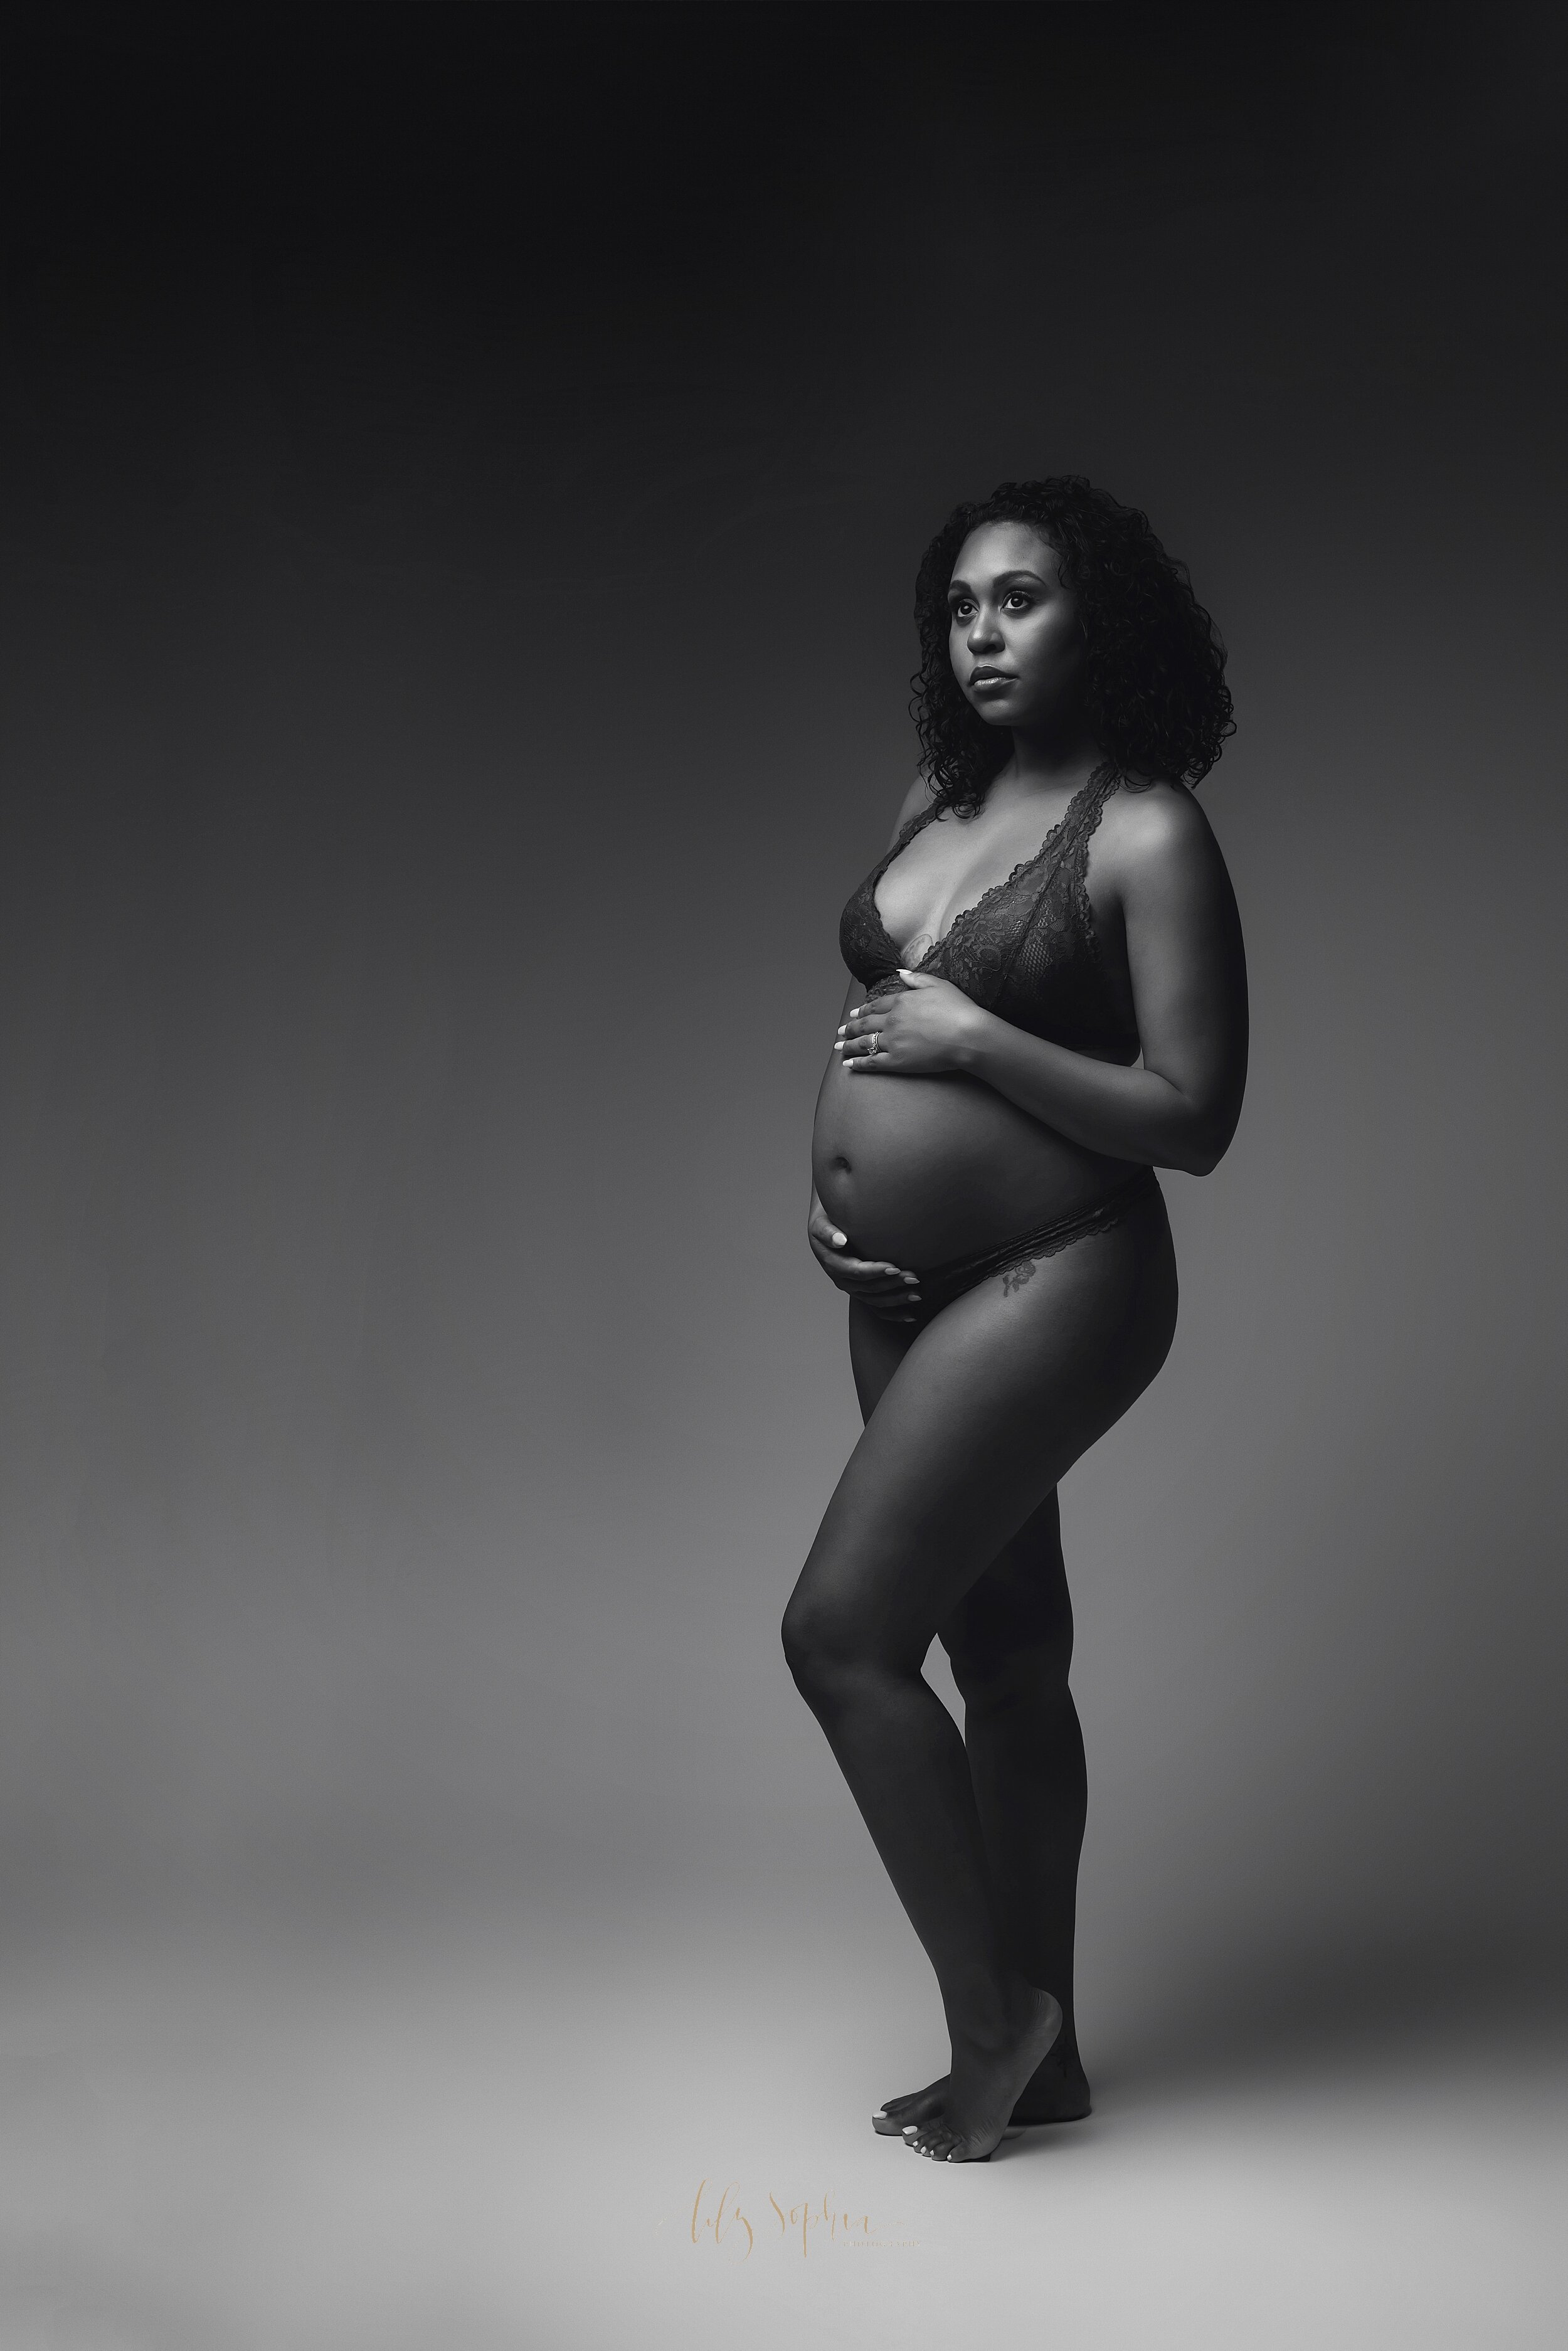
{"type": "Point", "coordinates": [1019, 597]}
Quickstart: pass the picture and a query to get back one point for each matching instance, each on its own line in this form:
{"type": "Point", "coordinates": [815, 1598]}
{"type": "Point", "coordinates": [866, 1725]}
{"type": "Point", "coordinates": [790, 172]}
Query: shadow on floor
{"type": "Point", "coordinates": [1337, 2010]}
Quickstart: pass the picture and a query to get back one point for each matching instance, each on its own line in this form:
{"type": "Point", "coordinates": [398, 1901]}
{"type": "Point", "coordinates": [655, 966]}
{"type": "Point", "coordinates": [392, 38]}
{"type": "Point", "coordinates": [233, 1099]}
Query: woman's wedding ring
{"type": "Point", "coordinates": [875, 1045]}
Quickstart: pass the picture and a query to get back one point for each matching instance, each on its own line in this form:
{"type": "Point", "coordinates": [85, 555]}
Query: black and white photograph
{"type": "Point", "coordinates": [782, 1278]}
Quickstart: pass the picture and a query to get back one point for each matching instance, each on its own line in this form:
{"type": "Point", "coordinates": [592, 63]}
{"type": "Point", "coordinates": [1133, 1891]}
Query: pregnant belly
{"type": "Point", "coordinates": [916, 1170]}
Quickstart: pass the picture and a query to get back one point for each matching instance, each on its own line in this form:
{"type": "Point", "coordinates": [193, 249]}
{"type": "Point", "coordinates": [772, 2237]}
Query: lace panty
{"type": "Point", "coordinates": [1014, 1260]}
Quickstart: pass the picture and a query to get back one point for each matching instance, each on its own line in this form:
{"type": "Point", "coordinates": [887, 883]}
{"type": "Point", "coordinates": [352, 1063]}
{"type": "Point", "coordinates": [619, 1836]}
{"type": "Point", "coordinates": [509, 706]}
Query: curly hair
{"type": "Point", "coordinates": [1154, 672]}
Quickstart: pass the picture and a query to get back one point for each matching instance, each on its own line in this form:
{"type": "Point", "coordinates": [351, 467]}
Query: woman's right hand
{"type": "Point", "coordinates": [886, 1289]}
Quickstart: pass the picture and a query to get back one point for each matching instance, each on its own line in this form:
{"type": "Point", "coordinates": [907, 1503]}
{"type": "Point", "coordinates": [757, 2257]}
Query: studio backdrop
{"type": "Point", "coordinates": [466, 473]}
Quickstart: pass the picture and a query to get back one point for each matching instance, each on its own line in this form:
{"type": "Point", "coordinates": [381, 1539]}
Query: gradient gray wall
{"type": "Point", "coordinates": [467, 473]}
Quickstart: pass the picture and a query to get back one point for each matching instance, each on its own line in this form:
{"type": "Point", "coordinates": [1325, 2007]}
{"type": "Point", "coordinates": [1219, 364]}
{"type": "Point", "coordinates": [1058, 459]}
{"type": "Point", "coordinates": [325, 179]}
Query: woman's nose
{"type": "Point", "coordinates": [983, 632]}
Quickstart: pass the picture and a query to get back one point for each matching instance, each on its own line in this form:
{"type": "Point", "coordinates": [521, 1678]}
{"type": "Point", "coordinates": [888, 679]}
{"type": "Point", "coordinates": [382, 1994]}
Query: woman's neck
{"type": "Point", "coordinates": [1042, 765]}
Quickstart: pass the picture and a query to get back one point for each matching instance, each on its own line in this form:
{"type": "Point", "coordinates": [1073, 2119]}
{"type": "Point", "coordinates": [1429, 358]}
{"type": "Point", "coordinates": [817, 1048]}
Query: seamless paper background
{"type": "Point", "coordinates": [465, 469]}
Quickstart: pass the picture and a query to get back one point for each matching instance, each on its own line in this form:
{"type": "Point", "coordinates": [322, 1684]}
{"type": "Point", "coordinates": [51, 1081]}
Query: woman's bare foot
{"type": "Point", "coordinates": [985, 2082]}
{"type": "Point", "coordinates": [1056, 2091]}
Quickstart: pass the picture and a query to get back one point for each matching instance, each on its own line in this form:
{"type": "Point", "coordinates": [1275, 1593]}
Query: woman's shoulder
{"type": "Point", "coordinates": [1156, 834]}
{"type": "Point", "coordinates": [1154, 819]}
{"type": "Point", "coordinates": [916, 801]}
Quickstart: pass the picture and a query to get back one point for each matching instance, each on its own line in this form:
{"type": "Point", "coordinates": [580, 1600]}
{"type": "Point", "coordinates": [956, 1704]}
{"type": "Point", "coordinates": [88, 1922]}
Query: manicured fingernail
{"type": "Point", "coordinates": [842, 1030]}
{"type": "Point", "coordinates": [838, 1239]}
{"type": "Point", "coordinates": [838, 1044]}
{"type": "Point", "coordinates": [912, 1277]}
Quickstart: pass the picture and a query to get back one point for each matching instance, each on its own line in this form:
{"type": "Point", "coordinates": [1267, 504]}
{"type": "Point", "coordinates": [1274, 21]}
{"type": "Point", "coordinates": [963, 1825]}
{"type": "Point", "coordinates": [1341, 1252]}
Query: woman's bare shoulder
{"type": "Point", "coordinates": [1162, 857]}
{"type": "Point", "coordinates": [917, 798]}
{"type": "Point", "coordinates": [1156, 824]}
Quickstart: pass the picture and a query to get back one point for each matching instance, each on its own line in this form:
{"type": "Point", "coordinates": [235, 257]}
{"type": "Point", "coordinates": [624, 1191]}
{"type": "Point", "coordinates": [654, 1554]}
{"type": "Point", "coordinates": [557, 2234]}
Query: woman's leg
{"type": "Point", "coordinates": [1011, 1647]}
{"type": "Point", "coordinates": [992, 1402]}
{"type": "Point", "coordinates": [1011, 1642]}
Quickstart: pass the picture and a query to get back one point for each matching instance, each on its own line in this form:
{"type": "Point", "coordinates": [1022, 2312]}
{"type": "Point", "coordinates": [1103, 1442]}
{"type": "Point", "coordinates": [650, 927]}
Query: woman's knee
{"type": "Point", "coordinates": [818, 1644]}
{"type": "Point", "coordinates": [829, 1643]}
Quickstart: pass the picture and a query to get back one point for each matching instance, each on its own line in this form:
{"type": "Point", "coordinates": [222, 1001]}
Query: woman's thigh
{"type": "Point", "coordinates": [971, 1425]}
{"type": "Point", "coordinates": [877, 1347]}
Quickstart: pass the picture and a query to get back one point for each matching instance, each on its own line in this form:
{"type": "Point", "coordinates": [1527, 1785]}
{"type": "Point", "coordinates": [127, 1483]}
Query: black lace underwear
{"type": "Point", "coordinates": [1026, 949]}
{"type": "Point", "coordinates": [1015, 1259]}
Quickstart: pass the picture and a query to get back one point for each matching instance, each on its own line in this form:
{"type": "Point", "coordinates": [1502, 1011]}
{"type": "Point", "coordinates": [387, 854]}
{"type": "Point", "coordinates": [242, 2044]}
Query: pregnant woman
{"type": "Point", "coordinates": [1050, 1002]}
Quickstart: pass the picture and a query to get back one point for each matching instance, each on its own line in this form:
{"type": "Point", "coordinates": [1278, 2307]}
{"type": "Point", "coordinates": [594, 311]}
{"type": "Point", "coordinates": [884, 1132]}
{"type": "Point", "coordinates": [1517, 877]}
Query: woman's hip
{"type": "Point", "coordinates": [1014, 1261]}
{"type": "Point", "coordinates": [1089, 1299]}
{"type": "Point", "coordinates": [989, 1401]}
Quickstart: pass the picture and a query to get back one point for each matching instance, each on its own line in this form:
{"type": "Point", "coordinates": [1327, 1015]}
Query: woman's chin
{"type": "Point", "coordinates": [992, 715]}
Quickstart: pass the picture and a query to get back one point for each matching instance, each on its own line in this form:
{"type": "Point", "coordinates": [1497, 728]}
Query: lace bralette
{"type": "Point", "coordinates": [1026, 949]}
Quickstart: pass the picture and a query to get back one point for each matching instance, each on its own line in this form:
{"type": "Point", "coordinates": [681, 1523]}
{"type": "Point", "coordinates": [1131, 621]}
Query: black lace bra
{"type": "Point", "coordinates": [1026, 949]}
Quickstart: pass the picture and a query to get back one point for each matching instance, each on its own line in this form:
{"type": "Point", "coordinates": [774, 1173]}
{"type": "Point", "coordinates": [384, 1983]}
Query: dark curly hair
{"type": "Point", "coordinates": [1154, 676]}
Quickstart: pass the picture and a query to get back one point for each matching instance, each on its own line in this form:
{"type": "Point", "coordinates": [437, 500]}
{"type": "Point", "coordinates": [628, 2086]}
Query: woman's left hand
{"type": "Point", "coordinates": [925, 1027]}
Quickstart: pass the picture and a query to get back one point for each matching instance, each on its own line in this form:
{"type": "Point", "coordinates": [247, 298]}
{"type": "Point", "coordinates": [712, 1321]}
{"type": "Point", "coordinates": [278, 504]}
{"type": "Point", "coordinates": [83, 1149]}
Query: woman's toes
{"type": "Point", "coordinates": [913, 2106]}
{"type": "Point", "coordinates": [907, 2100]}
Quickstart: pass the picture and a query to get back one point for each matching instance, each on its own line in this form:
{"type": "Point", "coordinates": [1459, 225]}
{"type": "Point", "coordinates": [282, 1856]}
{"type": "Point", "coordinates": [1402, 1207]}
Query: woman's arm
{"type": "Point", "coordinates": [1189, 993]}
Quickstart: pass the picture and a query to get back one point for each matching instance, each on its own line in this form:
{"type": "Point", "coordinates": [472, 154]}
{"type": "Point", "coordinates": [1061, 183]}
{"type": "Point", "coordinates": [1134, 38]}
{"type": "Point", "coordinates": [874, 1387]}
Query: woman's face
{"type": "Point", "coordinates": [1012, 628]}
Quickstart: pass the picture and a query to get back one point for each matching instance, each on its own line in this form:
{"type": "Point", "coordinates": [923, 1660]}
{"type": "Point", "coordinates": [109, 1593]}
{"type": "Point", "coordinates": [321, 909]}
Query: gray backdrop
{"type": "Point", "coordinates": [466, 489]}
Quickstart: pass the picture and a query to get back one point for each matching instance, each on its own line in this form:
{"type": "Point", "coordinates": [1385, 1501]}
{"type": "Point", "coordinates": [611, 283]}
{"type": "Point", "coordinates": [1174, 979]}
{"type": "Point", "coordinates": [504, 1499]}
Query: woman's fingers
{"type": "Point", "coordinates": [864, 1277]}
{"type": "Point", "coordinates": [893, 1301]}
{"type": "Point", "coordinates": [891, 1310]}
{"type": "Point", "coordinates": [896, 1294]}
{"type": "Point", "coordinates": [857, 1045]}
{"type": "Point", "coordinates": [861, 1277]}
